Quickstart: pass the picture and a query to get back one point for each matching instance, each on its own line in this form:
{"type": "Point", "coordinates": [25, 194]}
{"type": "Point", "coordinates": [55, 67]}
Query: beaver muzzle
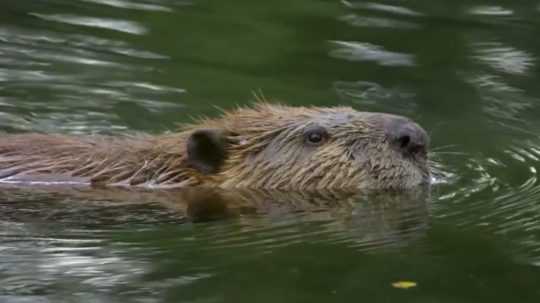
{"type": "Point", "coordinates": [406, 136]}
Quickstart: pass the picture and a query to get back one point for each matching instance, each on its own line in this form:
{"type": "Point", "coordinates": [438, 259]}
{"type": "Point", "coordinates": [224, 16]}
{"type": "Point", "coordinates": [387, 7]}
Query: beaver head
{"type": "Point", "coordinates": [274, 146]}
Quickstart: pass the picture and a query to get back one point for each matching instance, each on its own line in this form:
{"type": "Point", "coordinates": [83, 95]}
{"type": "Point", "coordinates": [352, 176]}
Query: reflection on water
{"type": "Point", "coordinates": [47, 242]}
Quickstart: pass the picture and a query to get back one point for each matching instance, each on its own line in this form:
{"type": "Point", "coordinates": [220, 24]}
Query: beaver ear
{"type": "Point", "coordinates": [206, 150]}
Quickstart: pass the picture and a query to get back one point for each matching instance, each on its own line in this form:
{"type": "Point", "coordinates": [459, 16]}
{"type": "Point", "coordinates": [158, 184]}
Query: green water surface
{"type": "Point", "coordinates": [467, 71]}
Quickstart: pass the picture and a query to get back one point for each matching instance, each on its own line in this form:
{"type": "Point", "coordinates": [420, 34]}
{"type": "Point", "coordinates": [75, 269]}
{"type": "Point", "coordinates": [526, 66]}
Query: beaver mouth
{"type": "Point", "coordinates": [416, 164]}
{"type": "Point", "coordinates": [425, 170]}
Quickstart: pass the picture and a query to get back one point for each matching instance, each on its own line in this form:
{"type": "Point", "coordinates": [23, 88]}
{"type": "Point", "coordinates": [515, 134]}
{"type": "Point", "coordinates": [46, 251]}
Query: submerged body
{"type": "Point", "coordinates": [266, 146]}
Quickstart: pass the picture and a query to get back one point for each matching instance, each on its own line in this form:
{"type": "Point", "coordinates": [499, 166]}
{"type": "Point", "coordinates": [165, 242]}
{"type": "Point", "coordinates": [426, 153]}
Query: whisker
{"type": "Point", "coordinates": [436, 127]}
{"type": "Point", "coordinates": [443, 147]}
{"type": "Point", "coordinates": [447, 153]}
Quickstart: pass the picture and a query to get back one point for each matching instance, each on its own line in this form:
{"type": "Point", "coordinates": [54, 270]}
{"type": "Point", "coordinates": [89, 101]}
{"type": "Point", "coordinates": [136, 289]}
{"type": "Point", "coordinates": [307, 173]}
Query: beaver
{"type": "Point", "coordinates": [267, 146]}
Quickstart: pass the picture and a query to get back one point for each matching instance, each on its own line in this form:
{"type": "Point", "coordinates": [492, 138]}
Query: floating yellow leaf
{"type": "Point", "coordinates": [404, 284]}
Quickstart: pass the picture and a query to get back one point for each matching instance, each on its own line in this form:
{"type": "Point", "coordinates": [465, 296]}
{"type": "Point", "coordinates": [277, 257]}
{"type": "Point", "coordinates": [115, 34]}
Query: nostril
{"type": "Point", "coordinates": [408, 144]}
{"type": "Point", "coordinates": [404, 140]}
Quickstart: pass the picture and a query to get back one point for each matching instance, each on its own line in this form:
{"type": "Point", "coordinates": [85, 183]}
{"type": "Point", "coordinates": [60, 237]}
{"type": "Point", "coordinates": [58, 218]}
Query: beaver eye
{"type": "Point", "coordinates": [315, 135]}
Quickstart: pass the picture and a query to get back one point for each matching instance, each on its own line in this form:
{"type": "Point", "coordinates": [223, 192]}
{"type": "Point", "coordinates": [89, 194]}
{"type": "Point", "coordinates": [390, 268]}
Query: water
{"type": "Point", "coordinates": [466, 70]}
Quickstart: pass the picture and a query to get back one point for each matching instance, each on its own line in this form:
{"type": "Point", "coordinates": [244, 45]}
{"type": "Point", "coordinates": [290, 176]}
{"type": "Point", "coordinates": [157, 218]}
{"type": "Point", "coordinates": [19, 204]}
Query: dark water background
{"type": "Point", "coordinates": [468, 71]}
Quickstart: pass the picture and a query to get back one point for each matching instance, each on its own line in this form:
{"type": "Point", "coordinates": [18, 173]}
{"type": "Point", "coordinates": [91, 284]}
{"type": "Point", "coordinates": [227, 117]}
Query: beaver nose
{"type": "Point", "coordinates": [407, 136]}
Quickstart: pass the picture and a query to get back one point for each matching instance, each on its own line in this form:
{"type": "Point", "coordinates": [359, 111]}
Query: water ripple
{"type": "Point", "coordinates": [35, 43]}
{"type": "Point", "coordinates": [377, 22]}
{"type": "Point", "coordinates": [387, 8]}
{"type": "Point", "coordinates": [57, 83]}
{"type": "Point", "coordinates": [504, 58]}
{"type": "Point", "coordinates": [131, 5]}
{"type": "Point", "coordinates": [375, 97]}
{"type": "Point", "coordinates": [124, 26]}
{"type": "Point", "coordinates": [362, 51]}
{"type": "Point", "coordinates": [501, 100]}
{"type": "Point", "coordinates": [500, 195]}
{"type": "Point", "coordinates": [491, 11]}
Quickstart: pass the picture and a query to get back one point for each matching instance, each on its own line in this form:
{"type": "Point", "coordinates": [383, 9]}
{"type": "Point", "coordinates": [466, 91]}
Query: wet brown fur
{"type": "Point", "coordinates": [264, 149]}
